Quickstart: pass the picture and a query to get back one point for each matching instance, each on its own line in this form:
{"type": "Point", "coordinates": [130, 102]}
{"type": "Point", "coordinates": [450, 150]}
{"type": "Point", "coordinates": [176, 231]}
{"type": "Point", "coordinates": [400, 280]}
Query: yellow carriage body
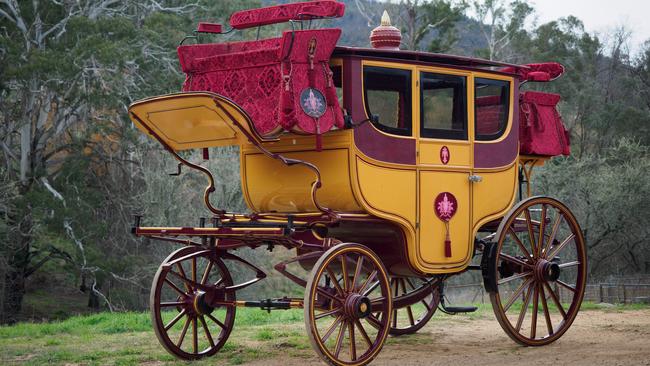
{"type": "Point", "coordinates": [367, 170]}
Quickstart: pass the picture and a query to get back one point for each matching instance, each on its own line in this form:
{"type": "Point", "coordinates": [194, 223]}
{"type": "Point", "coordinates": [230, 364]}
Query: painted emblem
{"type": "Point", "coordinates": [313, 102]}
{"type": "Point", "coordinates": [445, 206]}
{"type": "Point", "coordinates": [444, 155]}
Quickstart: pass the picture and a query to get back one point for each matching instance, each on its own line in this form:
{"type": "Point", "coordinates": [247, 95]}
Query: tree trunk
{"type": "Point", "coordinates": [17, 255]}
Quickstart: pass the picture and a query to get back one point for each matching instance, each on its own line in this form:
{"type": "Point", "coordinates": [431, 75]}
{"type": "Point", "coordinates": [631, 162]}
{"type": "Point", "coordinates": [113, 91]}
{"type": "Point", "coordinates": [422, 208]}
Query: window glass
{"type": "Point", "coordinates": [443, 106]}
{"type": "Point", "coordinates": [388, 97]}
{"type": "Point", "coordinates": [491, 108]}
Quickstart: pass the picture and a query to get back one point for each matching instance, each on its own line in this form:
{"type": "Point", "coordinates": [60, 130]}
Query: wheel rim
{"type": "Point", "coordinates": [343, 282]}
{"type": "Point", "coordinates": [540, 270]}
{"type": "Point", "coordinates": [184, 322]}
{"type": "Point", "coordinates": [412, 317]}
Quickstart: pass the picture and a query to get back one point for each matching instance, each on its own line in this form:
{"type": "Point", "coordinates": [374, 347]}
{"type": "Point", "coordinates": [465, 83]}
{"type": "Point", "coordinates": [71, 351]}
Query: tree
{"type": "Point", "coordinates": [69, 70]}
{"type": "Point", "coordinates": [420, 18]}
{"type": "Point", "coordinates": [501, 25]}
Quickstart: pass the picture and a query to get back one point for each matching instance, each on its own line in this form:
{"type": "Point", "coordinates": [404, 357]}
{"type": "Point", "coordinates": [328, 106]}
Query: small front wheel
{"type": "Point", "coordinates": [184, 320]}
{"type": "Point", "coordinates": [347, 285]}
{"type": "Point", "coordinates": [537, 271]}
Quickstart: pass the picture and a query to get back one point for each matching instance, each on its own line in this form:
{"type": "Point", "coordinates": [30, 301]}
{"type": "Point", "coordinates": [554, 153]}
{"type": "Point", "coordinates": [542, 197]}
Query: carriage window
{"type": "Point", "coordinates": [388, 96]}
{"type": "Point", "coordinates": [443, 106]}
{"type": "Point", "coordinates": [491, 108]}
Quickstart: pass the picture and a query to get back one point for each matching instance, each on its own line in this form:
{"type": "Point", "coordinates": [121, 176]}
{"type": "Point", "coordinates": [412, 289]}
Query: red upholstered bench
{"type": "Point", "coordinates": [267, 77]}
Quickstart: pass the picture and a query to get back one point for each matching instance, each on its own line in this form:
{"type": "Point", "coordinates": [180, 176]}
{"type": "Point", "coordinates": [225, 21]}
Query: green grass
{"type": "Point", "coordinates": [128, 339]}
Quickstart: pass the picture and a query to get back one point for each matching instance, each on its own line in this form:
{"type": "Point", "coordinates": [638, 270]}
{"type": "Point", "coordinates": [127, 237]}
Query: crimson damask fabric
{"type": "Point", "coordinates": [266, 78]}
{"type": "Point", "coordinates": [283, 13]}
{"type": "Point", "coordinates": [541, 129]}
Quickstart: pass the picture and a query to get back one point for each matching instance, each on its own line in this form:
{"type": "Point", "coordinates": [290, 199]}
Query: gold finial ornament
{"type": "Point", "coordinates": [386, 36]}
{"type": "Point", "coordinates": [385, 19]}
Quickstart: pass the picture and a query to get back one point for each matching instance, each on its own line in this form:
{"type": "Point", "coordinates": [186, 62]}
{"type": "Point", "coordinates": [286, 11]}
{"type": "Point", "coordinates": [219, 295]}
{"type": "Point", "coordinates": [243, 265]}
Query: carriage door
{"type": "Point", "coordinates": [444, 163]}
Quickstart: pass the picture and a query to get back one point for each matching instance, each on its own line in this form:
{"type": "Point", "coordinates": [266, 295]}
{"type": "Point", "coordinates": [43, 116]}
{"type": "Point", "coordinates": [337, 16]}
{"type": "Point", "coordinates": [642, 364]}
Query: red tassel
{"type": "Point", "coordinates": [287, 115]}
{"type": "Point", "coordinates": [448, 248]}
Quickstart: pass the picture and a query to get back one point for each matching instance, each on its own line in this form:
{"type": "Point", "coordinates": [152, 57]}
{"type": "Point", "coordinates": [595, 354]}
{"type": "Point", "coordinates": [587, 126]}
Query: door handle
{"type": "Point", "coordinates": [475, 178]}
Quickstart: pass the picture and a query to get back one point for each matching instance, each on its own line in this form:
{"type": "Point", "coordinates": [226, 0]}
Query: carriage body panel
{"type": "Point", "coordinates": [400, 183]}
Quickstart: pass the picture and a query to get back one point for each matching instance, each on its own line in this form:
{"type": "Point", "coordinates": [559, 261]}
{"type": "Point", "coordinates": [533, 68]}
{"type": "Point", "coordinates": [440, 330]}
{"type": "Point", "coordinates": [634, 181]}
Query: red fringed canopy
{"type": "Point", "coordinates": [546, 71]}
{"type": "Point", "coordinates": [283, 13]}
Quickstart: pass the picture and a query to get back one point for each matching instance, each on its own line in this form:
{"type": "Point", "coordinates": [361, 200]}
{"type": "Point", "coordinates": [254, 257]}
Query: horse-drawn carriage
{"type": "Point", "coordinates": [387, 172]}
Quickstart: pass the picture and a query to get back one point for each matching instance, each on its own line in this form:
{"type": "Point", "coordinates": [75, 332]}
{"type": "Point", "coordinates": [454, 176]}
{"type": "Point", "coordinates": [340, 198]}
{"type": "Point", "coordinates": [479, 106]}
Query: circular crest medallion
{"type": "Point", "coordinates": [445, 206]}
{"type": "Point", "coordinates": [313, 102]}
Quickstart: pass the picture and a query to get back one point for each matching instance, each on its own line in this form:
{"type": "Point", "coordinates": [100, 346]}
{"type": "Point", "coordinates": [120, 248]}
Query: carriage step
{"type": "Point", "coordinates": [460, 309]}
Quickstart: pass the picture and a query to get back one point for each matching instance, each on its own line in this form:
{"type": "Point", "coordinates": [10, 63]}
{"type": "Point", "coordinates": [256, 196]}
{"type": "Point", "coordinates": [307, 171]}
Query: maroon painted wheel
{"type": "Point", "coordinates": [184, 320]}
{"type": "Point", "coordinates": [410, 318]}
{"type": "Point", "coordinates": [348, 283]}
{"type": "Point", "coordinates": [540, 267]}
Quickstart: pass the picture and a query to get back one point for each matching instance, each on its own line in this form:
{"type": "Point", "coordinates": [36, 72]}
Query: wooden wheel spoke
{"type": "Point", "coordinates": [524, 308]}
{"type": "Point", "coordinates": [173, 286]}
{"type": "Point", "coordinates": [551, 238]}
{"type": "Point", "coordinates": [189, 284]}
{"type": "Point", "coordinates": [357, 273]}
{"type": "Point", "coordinates": [516, 294]}
{"type": "Point", "coordinates": [216, 321]}
{"type": "Point", "coordinates": [207, 331]}
{"type": "Point", "coordinates": [344, 270]}
{"type": "Point", "coordinates": [331, 328]}
{"type": "Point", "coordinates": [529, 225]}
{"type": "Point", "coordinates": [364, 289]}
{"type": "Point", "coordinates": [555, 300]}
{"type": "Point", "coordinates": [335, 281]}
{"type": "Point", "coordinates": [171, 303]}
{"type": "Point", "coordinates": [542, 223]}
{"type": "Point", "coordinates": [426, 305]}
{"type": "Point", "coordinates": [353, 346]}
{"type": "Point", "coordinates": [179, 343]}
{"type": "Point", "coordinates": [194, 269]}
{"type": "Point", "coordinates": [557, 249]}
{"type": "Point", "coordinates": [327, 313]}
{"type": "Point", "coordinates": [363, 332]}
{"type": "Point", "coordinates": [408, 281]}
{"type": "Point", "coordinates": [181, 274]}
{"type": "Point", "coordinates": [514, 277]}
{"type": "Point", "coordinates": [327, 294]}
{"type": "Point", "coordinates": [547, 315]}
{"type": "Point", "coordinates": [566, 286]}
{"type": "Point", "coordinates": [195, 336]}
{"type": "Point", "coordinates": [519, 243]}
{"type": "Point", "coordinates": [533, 320]}
{"type": "Point", "coordinates": [514, 260]}
{"type": "Point", "coordinates": [570, 264]}
{"type": "Point", "coordinates": [410, 314]}
{"type": "Point", "coordinates": [173, 322]}
{"type": "Point", "coordinates": [206, 273]}
{"type": "Point", "coordinates": [339, 339]}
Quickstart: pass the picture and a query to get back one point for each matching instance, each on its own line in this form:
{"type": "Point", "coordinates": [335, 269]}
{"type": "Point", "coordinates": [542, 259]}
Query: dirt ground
{"type": "Point", "coordinates": [595, 338]}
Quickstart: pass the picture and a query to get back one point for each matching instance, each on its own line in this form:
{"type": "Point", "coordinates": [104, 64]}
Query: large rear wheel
{"type": "Point", "coordinates": [538, 269]}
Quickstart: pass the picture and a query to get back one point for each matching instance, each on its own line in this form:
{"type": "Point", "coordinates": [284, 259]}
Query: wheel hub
{"type": "Point", "coordinates": [357, 306]}
{"type": "Point", "coordinates": [547, 271]}
{"type": "Point", "coordinates": [201, 305]}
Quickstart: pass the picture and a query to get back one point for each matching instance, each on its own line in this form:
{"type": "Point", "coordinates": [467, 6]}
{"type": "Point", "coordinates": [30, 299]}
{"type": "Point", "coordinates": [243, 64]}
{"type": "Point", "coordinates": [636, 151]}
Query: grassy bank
{"type": "Point", "coordinates": [127, 338]}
